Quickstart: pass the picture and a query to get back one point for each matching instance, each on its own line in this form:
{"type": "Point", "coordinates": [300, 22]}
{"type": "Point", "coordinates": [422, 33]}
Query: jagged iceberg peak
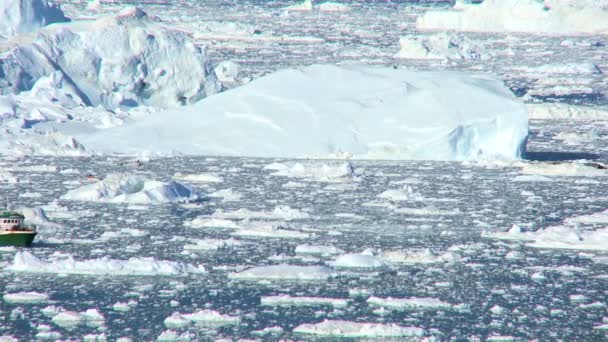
{"type": "Point", "coordinates": [22, 16]}
{"type": "Point", "coordinates": [122, 60]}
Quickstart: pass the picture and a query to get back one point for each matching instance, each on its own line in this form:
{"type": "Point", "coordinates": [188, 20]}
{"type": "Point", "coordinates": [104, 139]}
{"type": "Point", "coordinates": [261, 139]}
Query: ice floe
{"type": "Point", "coordinates": [565, 111]}
{"type": "Point", "coordinates": [280, 212]}
{"type": "Point", "coordinates": [318, 249]}
{"type": "Point", "coordinates": [268, 230]}
{"type": "Point", "coordinates": [287, 300]}
{"type": "Point", "coordinates": [25, 297]}
{"type": "Point", "coordinates": [200, 318]}
{"type": "Point", "coordinates": [566, 169]}
{"type": "Point", "coordinates": [557, 237]}
{"type": "Point", "coordinates": [406, 193]}
{"type": "Point", "coordinates": [330, 6]}
{"type": "Point", "coordinates": [210, 244]}
{"type": "Point", "coordinates": [341, 105]}
{"type": "Point", "coordinates": [227, 195]}
{"type": "Point", "coordinates": [315, 172]}
{"type": "Point", "coordinates": [305, 5]}
{"type": "Point", "coordinates": [413, 304]}
{"type": "Point", "coordinates": [364, 260]}
{"type": "Point", "coordinates": [207, 222]}
{"type": "Point", "coordinates": [347, 329]}
{"type": "Point", "coordinates": [284, 272]}
{"type": "Point", "coordinates": [131, 188]}
{"type": "Point", "coordinates": [419, 256]}
{"type": "Point", "coordinates": [442, 46]}
{"type": "Point", "coordinates": [27, 262]}
{"type": "Point", "coordinates": [530, 16]}
{"type": "Point", "coordinates": [199, 178]}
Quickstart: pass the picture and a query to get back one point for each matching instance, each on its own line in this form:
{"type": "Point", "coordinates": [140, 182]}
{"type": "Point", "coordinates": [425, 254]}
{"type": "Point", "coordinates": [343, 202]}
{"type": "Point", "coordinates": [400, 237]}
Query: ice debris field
{"type": "Point", "coordinates": [286, 170]}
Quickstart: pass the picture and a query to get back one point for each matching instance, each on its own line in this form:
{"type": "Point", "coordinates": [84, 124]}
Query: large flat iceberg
{"type": "Point", "coordinates": [530, 16]}
{"type": "Point", "coordinates": [325, 110]}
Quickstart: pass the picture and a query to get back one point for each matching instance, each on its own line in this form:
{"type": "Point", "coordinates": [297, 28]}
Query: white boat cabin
{"type": "Point", "coordinates": [10, 223]}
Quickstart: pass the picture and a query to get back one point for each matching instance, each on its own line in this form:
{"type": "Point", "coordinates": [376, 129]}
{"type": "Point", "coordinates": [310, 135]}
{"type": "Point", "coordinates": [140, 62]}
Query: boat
{"type": "Point", "coordinates": [13, 232]}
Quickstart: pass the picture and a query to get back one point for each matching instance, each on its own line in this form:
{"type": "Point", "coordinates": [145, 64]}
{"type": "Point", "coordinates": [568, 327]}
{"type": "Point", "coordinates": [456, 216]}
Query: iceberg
{"type": "Point", "coordinates": [529, 16]}
{"type": "Point", "coordinates": [442, 46]}
{"type": "Point", "coordinates": [127, 188]}
{"type": "Point", "coordinates": [372, 112]}
{"type": "Point", "coordinates": [23, 16]}
{"type": "Point", "coordinates": [118, 61]}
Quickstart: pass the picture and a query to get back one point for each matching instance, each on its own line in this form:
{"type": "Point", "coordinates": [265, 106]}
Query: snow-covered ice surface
{"type": "Point", "coordinates": [375, 112]}
{"type": "Point", "coordinates": [438, 275]}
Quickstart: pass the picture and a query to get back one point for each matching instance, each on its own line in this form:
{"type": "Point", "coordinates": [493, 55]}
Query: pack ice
{"type": "Point", "coordinates": [531, 16]}
{"type": "Point", "coordinates": [326, 110]}
{"type": "Point", "coordinates": [22, 16]}
{"type": "Point", "coordinates": [123, 60]}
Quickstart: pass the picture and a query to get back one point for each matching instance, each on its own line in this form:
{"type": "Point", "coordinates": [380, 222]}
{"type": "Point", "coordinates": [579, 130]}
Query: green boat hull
{"type": "Point", "coordinates": [24, 239]}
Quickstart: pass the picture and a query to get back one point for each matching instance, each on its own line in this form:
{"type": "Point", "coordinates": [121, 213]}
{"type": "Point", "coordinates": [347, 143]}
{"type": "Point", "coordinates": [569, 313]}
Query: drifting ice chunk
{"type": "Point", "coordinates": [126, 188]}
{"type": "Point", "coordinates": [531, 16]}
{"type": "Point", "coordinates": [285, 272]}
{"type": "Point", "coordinates": [305, 5]}
{"type": "Point", "coordinates": [366, 111]}
{"type": "Point", "coordinates": [574, 169]}
{"type": "Point", "coordinates": [363, 261]}
{"type": "Point", "coordinates": [441, 46]}
{"type": "Point", "coordinates": [314, 172]}
{"type": "Point", "coordinates": [416, 304]}
{"type": "Point", "coordinates": [565, 111]}
{"type": "Point", "coordinates": [21, 16]}
{"type": "Point", "coordinates": [26, 262]}
{"type": "Point", "coordinates": [286, 300]}
{"type": "Point", "coordinates": [561, 237]}
{"type": "Point", "coordinates": [25, 297]}
{"type": "Point", "coordinates": [338, 328]}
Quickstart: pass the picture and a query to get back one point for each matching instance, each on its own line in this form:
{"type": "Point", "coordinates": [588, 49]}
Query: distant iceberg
{"type": "Point", "coordinates": [530, 16]}
{"type": "Point", "coordinates": [327, 111]}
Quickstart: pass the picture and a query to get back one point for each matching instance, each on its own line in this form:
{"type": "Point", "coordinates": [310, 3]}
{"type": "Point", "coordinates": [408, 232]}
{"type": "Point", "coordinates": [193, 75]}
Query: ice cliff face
{"type": "Point", "coordinates": [22, 16]}
{"type": "Point", "coordinates": [124, 60]}
{"type": "Point", "coordinates": [325, 110]}
{"type": "Point", "coordinates": [531, 16]}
